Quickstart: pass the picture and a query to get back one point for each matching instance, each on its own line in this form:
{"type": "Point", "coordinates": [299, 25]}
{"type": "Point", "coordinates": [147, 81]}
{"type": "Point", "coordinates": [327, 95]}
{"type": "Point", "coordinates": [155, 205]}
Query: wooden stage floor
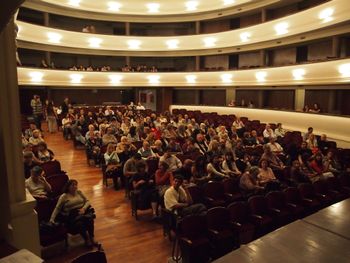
{"type": "Point", "coordinates": [123, 238]}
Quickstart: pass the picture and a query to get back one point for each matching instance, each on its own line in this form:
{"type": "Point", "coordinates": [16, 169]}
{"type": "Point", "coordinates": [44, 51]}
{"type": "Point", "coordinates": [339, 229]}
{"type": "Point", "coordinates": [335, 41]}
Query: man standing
{"type": "Point", "coordinates": [65, 107]}
{"type": "Point", "coordinates": [37, 109]}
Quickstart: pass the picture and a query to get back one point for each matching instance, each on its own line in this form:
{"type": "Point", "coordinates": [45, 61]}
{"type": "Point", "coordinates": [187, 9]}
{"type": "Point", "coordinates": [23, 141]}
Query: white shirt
{"type": "Point", "coordinates": [173, 197]}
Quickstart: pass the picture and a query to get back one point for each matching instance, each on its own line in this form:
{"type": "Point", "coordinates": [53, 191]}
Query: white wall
{"type": "Point", "coordinates": [336, 128]}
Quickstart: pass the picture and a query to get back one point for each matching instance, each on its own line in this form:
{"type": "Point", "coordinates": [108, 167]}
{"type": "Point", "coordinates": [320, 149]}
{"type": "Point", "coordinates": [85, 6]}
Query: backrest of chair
{"type": "Point", "coordinates": [333, 183]}
{"type": "Point", "coordinates": [152, 165]}
{"type": "Point", "coordinates": [218, 218]}
{"type": "Point", "coordinates": [57, 182]}
{"type": "Point", "coordinates": [258, 204]}
{"type": "Point", "coordinates": [344, 180]}
{"type": "Point", "coordinates": [196, 194]}
{"type": "Point", "coordinates": [193, 226]}
{"type": "Point", "coordinates": [320, 186]}
{"type": "Point", "coordinates": [214, 190]}
{"type": "Point", "coordinates": [239, 211]}
{"type": "Point", "coordinates": [306, 190]}
{"type": "Point", "coordinates": [44, 209]}
{"type": "Point", "coordinates": [51, 167]}
{"type": "Point", "coordinates": [91, 257]}
{"type": "Point", "coordinates": [231, 185]}
{"type": "Point", "coordinates": [292, 195]}
{"type": "Point", "coordinates": [276, 199]}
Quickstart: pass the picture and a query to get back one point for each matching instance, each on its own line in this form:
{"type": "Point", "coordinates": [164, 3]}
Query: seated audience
{"type": "Point", "coordinates": [268, 133]}
{"type": "Point", "coordinates": [129, 168]}
{"type": "Point", "coordinates": [186, 170]}
{"type": "Point", "coordinates": [109, 137]}
{"type": "Point", "coordinates": [297, 175]}
{"type": "Point", "coordinates": [112, 162]}
{"type": "Point", "coordinates": [163, 178]}
{"type": "Point", "coordinates": [73, 209]}
{"type": "Point", "coordinates": [319, 167]}
{"type": "Point", "coordinates": [146, 151]}
{"type": "Point", "coordinates": [266, 174]}
{"type": "Point", "coordinates": [179, 201]}
{"type": "Point", "coordinates": [199, 171]}
{"type": "Point", "coordinates": [312, 143]}
{"type": "Point", "coordinates": [310, 130]}
{"type": "Point", "coordinates": [249, 181]}
{"type": "Point", "coordinates": [36, 137]}
{"type": "Point", "coordinates": [37, 185]}
{"type": "Point", "coordinates": [279, 131]}
{"type": "Point", "coordinates": [44, 154]}
{"type": "Point", "coordinates": [214, 169]}
{"type": "Point", "coordinates": [323, 144]}
{"type": "Point", "coordinates": [275, 147]}
{"type": "Point", "coordinates": [172, 161]}
{"type": "Point", "coordinates": [229, 165]}
{"type": "Point", "coordinates": [274, 162]}
{"type": "Point", "coordinates": [201, 144]}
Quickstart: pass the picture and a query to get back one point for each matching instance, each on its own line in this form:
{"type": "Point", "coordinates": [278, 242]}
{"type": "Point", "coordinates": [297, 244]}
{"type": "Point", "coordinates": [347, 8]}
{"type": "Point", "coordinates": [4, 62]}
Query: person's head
{"type": "Point", "coordinates": [32, 126]}
{"type": "Point", "coordinates": [66, 100]}
{"type": "Point", "coordinates": [318, 157]}
{"type": "Point", "coordinates": [330, 154]}
{"type": "Point", "coordinates": [124, 140]}
{"type": "Point", "coordinates": [71, 186]}
{"type": "Point", "coordinates": [253, 172]}
{"type": "Point", "coordinates": [36, 172]}
{"type": "Point", "coordinates": [27, 157]}
{"type": "Point", "coordinates": [163, 166]}
{"type": "Point", "coordinates": [145, 145]}
{"type": "Point", "coordinates": [279, 125]}
{"type": "Point", "coordinates": [316, 107]}
{"type": "Point", "coordinates": [254, 133]}
{"type": "Point", "coordinates": [36, 133]}
{"type": "Point", "coordinates": [304, 145]}
{"type": "Point", "coordinates": [229, 156]}
{"type": "Point", "coordinates": [323, 137]}
{"type": "Point", "coordinates": [214, 145]}
{"type": "Point", "coordinates": [81, 119]}
{"type": "Point", "coordinates": [216, 159]}
{"type": "Point", "coordinates": [268, 127]}
{"type": "Point", "coordinates": [168, 152]}
{"type": "Point", "coordinates": [91, 128]}
{"type": "Point", "coordinates": [111, 147]}
{"type": "Point", "coordinates": [178, 180]}
{"type": "Point", "coordinates": [267, 149]}
{"type": "Point", "coordinates": [264, 163]}
{"type": "Point", "coordinates": [141, 167]}
{"type": "Point", "coordinates": [109, 131]}
{"type": "Point", "coordinates": [158, 143]}
{"type": "Point", "coordinates": [200, 137]}
{"type": "Point", "coordinates": [187, 164]}
{"type": "Point", "coordinates": [42, 146]}
{"type": "Point", "coordinates": [296, 164]}
{"type": "Point", "coordinates": [310, 130]}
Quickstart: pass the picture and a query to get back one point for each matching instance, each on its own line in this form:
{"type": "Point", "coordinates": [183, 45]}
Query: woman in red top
{"type": "Point", "coordinates": [319, 168]}
{"type": "Point", "coordinates": [163, 177]}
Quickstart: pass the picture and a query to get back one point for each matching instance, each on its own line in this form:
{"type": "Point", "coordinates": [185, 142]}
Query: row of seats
{"type": "Point", "coordinates": [226, 228]}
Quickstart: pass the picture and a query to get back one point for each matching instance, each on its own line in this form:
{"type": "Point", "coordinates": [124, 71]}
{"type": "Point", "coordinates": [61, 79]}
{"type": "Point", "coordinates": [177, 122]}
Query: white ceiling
{"type": "Point", "coordinates": [330, 72]}
{"type": "Point", "coordinates": [298, 23]}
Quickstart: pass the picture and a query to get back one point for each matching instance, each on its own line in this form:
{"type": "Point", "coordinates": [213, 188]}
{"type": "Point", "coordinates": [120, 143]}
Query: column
{"type": "Point", "coordinates": [263, 57]}
{"type": "Point", "coordinates": [18, 221]}
{"type": "Point", "coordinates": [263, 15]}
{"type": "Point", "coordinates": [127, 33]}
{"type": "Point", "coordinates": [47, 23]}
{"type": "Point", "coordinates": [299, 99]}
{"type": "Point", "coordinates": [198, 58]}
{"type": "Point", "coordinates": [230, 95]}
{"type": "Point", "coordinates": [331, 101]}
{"type": "Point", "coordinates": [336, 46]}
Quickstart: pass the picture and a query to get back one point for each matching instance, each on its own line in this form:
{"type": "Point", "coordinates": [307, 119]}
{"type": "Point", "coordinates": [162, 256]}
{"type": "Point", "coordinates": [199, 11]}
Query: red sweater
{"type": "Point", "coordinates": [163, 178]}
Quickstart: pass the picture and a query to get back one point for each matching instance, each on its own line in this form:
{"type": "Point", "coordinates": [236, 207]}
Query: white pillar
{"type": "Point", "coordinates": [18, 221]}
{"type": "Point", "coordinates": [230, 95]}
{"type": "Point", "coordinates": [299, 99]}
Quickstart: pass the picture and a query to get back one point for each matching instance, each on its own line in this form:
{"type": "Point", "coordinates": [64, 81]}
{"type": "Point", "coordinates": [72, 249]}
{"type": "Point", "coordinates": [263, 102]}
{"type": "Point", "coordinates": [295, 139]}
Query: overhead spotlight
{"type": "Point", "coordinates": [229, 2]}
{"type": "Point", "coordinates": [134, 44]}
{"type": "Point", "coordinates": [114, 6]}
{"type": "Point", "coordinates": [261, 76]}
{"type": "Point", "coordinates": [153, 7]}
{"type": "Point", "coordinates": [36, 76]}
{"type": "Point", "coordinates": [344, 70]}
{"type": "Point", "coordinates": [209, 41]}
{"type": "Point", "coordinates": [75, 78]}
{"type": "Point", "coordinates": [153, 79]}
{"type": "Point", "coordinates": [74, 2]}
{"type": "Point", "coordinates": [191, 78]}
{"type": "Point", "coordinates": [115, 79]}
{"type": "Point", "coordinates": [191, 5]}
{"type": "Point", "coordinates": [226, 78]}
{"type": "Point", "coordinates": [281, 28]}
{"type": "Point", "coordinates": [54, 37]}
{"type": "Point", "coordinates": [326, 15]}
{"type": "Point", "coordinates": [172, 43]}
{"type": "Point", "coordinates": [245, 36]}
{"type": "Point", "coordinates": [95, 42]}
{"type": "Point", "coordinates": [298, 74]}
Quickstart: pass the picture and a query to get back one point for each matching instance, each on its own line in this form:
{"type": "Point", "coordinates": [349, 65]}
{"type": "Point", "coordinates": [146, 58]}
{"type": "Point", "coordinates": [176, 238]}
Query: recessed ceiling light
{"type": "Point", "coordinates": [226, 78]}
{"type": "Point", "coordinates": [95, 42]}
{"type": "Point", "coordinates": [172, 43]}
{"type": "Point", "coordinates": [191, 78]}
{"type": "Point", "coordinates": [134, 44]}
{"type": "Point", "coordinates": [298, 74]}
{"type": "Point", "coordinates": [228, 2]}
{"type": "Point", "coordinates": [74, 2]}
{"type": "Point", "coordinates": [115, 79]}
{"type": "Point", "coordinates": [75, 78]}
{"type": "Point", "coordinates": [153, 7]}
{"type": "Point", "coordinates": [191, 5]}
{"type": "Point", "coordinates": [281, 28]}
{"type": "Point", "coordinates": [153, 79]}
{"type": "Point", "coordinates": [260, 76]}
{"type": "Point", "coordinates": [326, 15]}
{"type": "Point", "coordinates": [54, 37]}
{"type": "Point", "coordinates": [245, 36]}
{"type": "Point", "coordinates": [36, 76]}
{"type": "Point", "coordinates": [344, 70]}
{"type": "Point", "coordinates": [209, 41]}
{"type": "Point", "coordinates": [114, 6]}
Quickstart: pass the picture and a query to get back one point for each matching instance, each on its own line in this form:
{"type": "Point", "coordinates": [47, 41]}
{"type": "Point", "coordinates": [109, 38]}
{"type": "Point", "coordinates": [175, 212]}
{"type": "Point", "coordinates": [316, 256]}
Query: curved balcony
{"type": "Point", "coordinates": [322, 21]}
{"type": "Point", "coordinates": [151, 11]}
{"type": "Point", "coordinates": [332, 72]}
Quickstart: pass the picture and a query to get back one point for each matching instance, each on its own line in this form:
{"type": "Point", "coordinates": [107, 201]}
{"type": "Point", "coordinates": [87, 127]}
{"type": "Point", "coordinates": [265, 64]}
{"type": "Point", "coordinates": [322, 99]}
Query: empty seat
{"type": "Point", "coordinates": [214, 194]}
{"type": "Point", "coordinates": [309, 197]}
{"type": "Point", "coordinates": [295, 201]}
{"type": "Point", "coordinates": [324, 193]}
{"type": "Point", "coordinates": [232, 190]}
{"type": "Point", "coordinates": [260, 214]}
{"type": "Point", "coordinates": [278, 206]}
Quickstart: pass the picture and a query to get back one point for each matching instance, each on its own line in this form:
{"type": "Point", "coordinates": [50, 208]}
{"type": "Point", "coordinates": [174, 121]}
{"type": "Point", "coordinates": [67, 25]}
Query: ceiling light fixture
{"type": "Point", "coordinates": [114, 6]}
{"type": "Point", "coordinates": [74, 2]}
{"type": "Point", "coordinates": [191, 78]}
{"type": "Point", "coordinates": [344, 70]}
{"type": "Point", "coordinates": [134, 44]}
{"type": "Point", "coordinates": [172, 43]}
{"type": "Point", "coordinates": [153, 7]}
{"type": "Point", "coordinates": [298, 74]}
{"type": "Point", "coordinates": [326, 15]}
{"type": "Point", "coordinates": [95, 42]}
{"type": "Point", "coordinates": [54, 37]}
{"type": "Point", "coordinates": [261, 76]}
{"type": "Point", "coordinates": [191, 5]}
{"type": "Point", "coordinates": [75, 78]}
{"type": "Point", "coordinates": [245, 36]}
{"type": "Point", "coordinates": [36, 76]}
{"type": "Point", "coordinates": [229, 2]}
{"type": "Point", "coordinates": [153, 79]}
{"type": "Point", "coordinates": [281, 28]}
{"type": "Point", "coordinates": [209, 41]}
{"type": "Point", "coordinates": [115, 79]}
{"type": "Point", "coordinates": [226, 78]}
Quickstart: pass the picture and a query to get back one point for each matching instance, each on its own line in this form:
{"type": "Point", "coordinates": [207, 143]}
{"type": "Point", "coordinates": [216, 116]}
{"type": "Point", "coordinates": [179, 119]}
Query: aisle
{"type": "Point", "coordinates": [123, 238]}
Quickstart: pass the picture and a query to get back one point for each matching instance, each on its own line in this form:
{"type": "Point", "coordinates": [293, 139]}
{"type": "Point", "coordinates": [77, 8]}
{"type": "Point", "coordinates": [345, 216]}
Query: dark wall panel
{"type": "Point", "coordinates": [184, 97]}
{"type": "Point", "coordinates": [213, 97]}
{"type": "Point", "coordinates": [279, 99]}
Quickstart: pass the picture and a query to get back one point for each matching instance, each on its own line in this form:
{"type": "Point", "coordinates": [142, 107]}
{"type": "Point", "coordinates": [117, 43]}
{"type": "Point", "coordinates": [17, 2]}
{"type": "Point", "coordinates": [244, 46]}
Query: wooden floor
{"type": "Point", "coordinates": [123, 238]}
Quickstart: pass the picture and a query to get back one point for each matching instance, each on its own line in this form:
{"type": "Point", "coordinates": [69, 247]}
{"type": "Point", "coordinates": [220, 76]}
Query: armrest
{"type": "Point", "coordinates": [334, 192]}
{"type": "Point", "coordinates": [275, 210]}
{"type": "Point", "coordinates": [186, 240]}
{"type": "Point", "coordinates": [228, 195]}
{"type": "Point", "coordinates": [291, 205]}
{"type": "Point", "coordinates": [321, 195]}
{"type": "Point", "coordinates": [307, 200]}
{"type": "Point", "coordinates": [212, 231]}
{"type": "Point", "coordinates": [208, 199]}
{"type": "Point", "coordinates": [236, 224]}
{"type": "Point", "coordinates": [256, 218]}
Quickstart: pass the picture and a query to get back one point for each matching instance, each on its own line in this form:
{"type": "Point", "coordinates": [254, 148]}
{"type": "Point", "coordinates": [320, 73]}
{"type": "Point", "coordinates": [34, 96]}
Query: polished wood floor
{"type": "Point", "coordinates": [123, 238]}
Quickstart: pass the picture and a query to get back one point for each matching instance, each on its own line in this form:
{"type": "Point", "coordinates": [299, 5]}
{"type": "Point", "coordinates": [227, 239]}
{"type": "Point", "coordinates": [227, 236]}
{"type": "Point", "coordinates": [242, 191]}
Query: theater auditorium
{"type": "Point", "coordinates": [187, 131]}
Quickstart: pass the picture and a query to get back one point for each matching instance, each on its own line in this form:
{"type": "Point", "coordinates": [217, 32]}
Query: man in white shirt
{"type": "Point", "coordinates": [268, 133]}
{"type": "Point", "coordinates": [177, 200]}
{"type": "Point", "coordinates": [37, 184]}
{"type": "Point", "coordinates": [172, 161]}
{"type": "Point", "coordinates": [275, 146]}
